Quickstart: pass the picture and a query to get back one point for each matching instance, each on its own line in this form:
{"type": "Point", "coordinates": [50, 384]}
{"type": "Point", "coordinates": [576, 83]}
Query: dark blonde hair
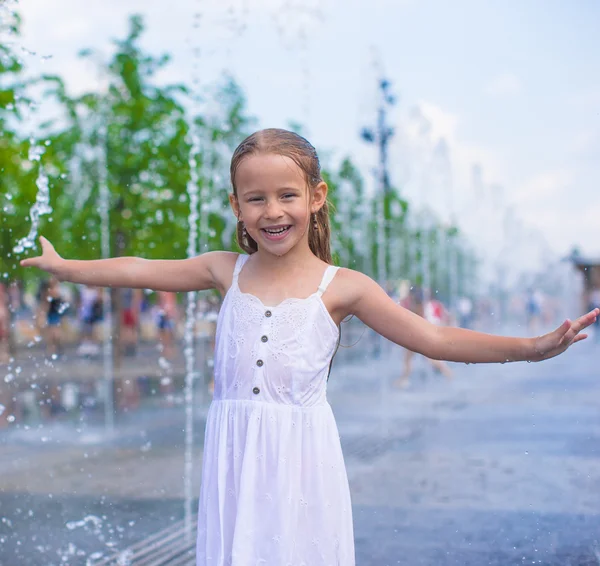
{"type": "Point", "coordinates": [288, 144]}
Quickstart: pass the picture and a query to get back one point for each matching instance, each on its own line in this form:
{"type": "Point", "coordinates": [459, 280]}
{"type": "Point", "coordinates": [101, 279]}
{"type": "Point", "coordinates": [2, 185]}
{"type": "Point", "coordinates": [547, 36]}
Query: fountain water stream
{"type": "Point", "coordinates": [193, 191]}
{"type": "Point", "coordinates": [104, 208]}
{"type": "Point", "coordinates": [42, 199]}
{"type": "Point", "coordinates": [190, 322]}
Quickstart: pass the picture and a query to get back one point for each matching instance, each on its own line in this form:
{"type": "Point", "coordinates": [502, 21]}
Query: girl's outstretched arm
{"type": "Point", "coordinates": [369, 302]}
{"type": "Point", "coordinates": [194, 274]}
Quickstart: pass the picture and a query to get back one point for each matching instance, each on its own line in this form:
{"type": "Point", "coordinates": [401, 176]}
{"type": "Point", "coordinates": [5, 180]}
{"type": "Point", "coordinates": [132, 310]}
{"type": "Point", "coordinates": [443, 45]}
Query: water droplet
{"type": "Point", "coordinates": [10, 418]}
{"type": "Point", "coordinates": [9, 377]}
{"type": "Point", "coordinates": [63, 307]}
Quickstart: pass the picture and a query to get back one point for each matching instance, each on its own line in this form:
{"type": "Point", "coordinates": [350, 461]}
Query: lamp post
{"type": "Point", "coordinates": [380, 135]}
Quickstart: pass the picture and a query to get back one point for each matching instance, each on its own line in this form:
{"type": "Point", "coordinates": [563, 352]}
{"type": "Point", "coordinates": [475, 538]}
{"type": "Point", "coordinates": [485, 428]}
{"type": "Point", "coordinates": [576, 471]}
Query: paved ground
{"type": "Point", "coordinates": [499, 467]}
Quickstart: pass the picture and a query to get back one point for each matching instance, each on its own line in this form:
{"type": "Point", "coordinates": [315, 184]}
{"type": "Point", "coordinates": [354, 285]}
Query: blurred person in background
{"type": "Point", "coordinates": [131, 302]}
{"type": "Point", "coordinates": [533, 307]}
{"type": "Point", "coordinates": [166, 321]}
{"type": "Point", "coordinates": [15, 297]}
{"type": "Point", "coordinates": [52, 307]}
{"type": "Point", "coordinates": [90, 314]}
{"type": "Point", "coordinates": [464, 307]}
{"type": "Point", "coordinates": [433, 311]}
{"type": "Point", "coordinates": [436, 313]}
{"type": "Point", "coordinates": [4, 326]}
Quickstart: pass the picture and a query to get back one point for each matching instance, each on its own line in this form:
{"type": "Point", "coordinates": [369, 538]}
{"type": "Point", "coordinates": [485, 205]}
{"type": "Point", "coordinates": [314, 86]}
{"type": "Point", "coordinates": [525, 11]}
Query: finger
{"type": "Point", "coordinates": [561, 332]}
{"type": "Point", "coordinates": [585, 321]}
{"type": "Point", "coordinates": [579, 338]}
{"type": "Point", "coordinates": [581, 323]}
{"type": "Point", "coordinates": [29, 262]}
{"type": "Point", "coordinates": [575, 329]}
{"type": "Point", "coordinates": [593, 314]}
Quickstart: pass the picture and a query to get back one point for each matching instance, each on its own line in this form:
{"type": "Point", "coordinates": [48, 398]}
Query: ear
{"type": "Point", "coordinates": [319, 196]}
{"type": "Point", "coordinates": [235, 205]}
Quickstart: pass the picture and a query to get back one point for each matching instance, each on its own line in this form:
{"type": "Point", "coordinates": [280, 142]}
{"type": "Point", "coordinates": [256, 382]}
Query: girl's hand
{"type": "Point", "coordinates": [49, 260]}
{"type": "Point", "coordinates": [556, 342]}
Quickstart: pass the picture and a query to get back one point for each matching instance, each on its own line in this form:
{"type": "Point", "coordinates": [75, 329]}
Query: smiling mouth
{"type": "Point", "coordinates": [276, 231]}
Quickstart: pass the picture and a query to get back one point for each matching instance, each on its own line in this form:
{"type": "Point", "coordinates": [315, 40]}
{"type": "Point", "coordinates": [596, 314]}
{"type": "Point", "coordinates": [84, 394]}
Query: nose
{"type": "Point", "coordinates": [274, 209]}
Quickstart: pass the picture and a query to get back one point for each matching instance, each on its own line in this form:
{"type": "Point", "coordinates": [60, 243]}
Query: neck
{"type": "Point", "coordinates": [299, 256]}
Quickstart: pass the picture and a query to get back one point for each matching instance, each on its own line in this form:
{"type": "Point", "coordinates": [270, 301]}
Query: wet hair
{"type": "Point", "coordinates": [299, 150]}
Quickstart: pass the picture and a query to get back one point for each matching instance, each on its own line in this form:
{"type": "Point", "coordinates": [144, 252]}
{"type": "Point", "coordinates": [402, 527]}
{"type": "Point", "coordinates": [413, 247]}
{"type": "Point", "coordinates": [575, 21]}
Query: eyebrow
{"type": "Point", "coordinates": [279, 190]}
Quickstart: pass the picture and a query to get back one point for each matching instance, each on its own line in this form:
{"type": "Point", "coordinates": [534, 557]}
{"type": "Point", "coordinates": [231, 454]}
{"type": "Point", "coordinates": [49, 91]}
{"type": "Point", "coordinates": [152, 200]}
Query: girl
{"type": "Point", "coordinates": [274, 486]}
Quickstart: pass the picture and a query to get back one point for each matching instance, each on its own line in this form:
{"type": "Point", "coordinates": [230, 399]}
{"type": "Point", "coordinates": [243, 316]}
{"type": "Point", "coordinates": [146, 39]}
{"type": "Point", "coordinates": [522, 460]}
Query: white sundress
{"type": "Point", "coordinates": [274, 485]}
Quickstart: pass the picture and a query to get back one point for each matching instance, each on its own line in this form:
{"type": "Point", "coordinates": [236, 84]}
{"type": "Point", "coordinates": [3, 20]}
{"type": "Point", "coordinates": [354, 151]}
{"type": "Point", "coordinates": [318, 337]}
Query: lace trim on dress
{"type": "Point", "coordinates": [325, 281]}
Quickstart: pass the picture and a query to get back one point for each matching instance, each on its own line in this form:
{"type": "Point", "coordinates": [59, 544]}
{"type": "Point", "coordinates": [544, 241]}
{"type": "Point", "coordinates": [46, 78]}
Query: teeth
{"type": "Point", "coordinates": [280, 231]}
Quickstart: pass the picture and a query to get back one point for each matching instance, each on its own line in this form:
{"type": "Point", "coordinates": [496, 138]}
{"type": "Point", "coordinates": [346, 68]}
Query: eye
{"type": "Point", "coordinates": [254, 199]}
{"type": "Point", "coordinates": [289, 196]}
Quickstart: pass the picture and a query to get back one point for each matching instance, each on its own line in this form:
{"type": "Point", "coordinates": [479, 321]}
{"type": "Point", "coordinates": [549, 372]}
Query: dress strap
{"type": "Point", "coordinates": [239, 263]}
{"type": "Point", "coordinates": [327, 277]}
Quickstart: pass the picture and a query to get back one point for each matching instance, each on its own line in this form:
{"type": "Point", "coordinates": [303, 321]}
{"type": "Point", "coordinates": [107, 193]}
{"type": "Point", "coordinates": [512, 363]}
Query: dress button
{"type": "Point", "coordinates": [256, 390]}
{"type": "Point", "coordinates": [259, 363]}
{"type": "Point", "coordinates": [264, 338]}
{"type": "Point", "coordinates": [268, 314]}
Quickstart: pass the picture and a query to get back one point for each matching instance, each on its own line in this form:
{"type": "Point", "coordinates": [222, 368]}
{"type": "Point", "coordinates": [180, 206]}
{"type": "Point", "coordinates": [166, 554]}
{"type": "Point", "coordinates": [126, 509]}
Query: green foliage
{"type": "Point", "coordinates": [134, 137]}
{"type": "Point", "coordinates": [221, 133]}
{"type": "Point", "coordinates": [17, 173]}
{"type": "Point", "coordinates": [348, 220]}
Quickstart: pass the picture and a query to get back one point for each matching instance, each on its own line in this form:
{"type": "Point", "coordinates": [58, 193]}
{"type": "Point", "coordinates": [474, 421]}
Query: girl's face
{"type": "Point", "coordinates": [274, 202]}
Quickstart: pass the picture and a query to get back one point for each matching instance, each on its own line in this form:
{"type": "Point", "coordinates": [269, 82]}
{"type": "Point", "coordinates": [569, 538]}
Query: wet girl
{"type": "Point", "coordinates": [274, 486]}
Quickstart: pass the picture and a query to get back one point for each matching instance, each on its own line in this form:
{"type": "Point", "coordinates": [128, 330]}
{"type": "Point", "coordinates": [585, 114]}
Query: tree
{"type": "Point", "coordinates": [221, 132]}
{"type": "Point", "coordinates": [348, 221]}
{"type": "Point", "coordinates": [18, 173]}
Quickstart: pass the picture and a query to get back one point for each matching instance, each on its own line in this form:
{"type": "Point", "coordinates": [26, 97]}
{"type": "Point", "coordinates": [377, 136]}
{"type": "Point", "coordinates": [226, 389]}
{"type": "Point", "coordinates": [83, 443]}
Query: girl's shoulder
{"type": "Point", "coordinates": [348, 286]}
{"type": "Point", "coordinates": [221, 265]}
{"type": "Point", "coordinates": [350, 280]}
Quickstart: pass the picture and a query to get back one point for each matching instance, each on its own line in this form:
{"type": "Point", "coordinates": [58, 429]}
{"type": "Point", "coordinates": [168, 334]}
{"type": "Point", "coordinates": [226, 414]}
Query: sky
{"type": "Point", "coordinates": [497, 119]}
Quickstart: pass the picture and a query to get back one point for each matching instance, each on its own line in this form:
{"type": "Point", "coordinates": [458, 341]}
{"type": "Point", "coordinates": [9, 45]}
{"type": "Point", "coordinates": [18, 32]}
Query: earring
{"type": "Point", "coordinates": [315, 223]}
{"type": "Point", "coordinates": [244, 236]}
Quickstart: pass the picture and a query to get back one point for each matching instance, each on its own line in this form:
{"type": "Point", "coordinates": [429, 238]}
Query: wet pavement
{"type": "Point", "coordinates": [501, 466]}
